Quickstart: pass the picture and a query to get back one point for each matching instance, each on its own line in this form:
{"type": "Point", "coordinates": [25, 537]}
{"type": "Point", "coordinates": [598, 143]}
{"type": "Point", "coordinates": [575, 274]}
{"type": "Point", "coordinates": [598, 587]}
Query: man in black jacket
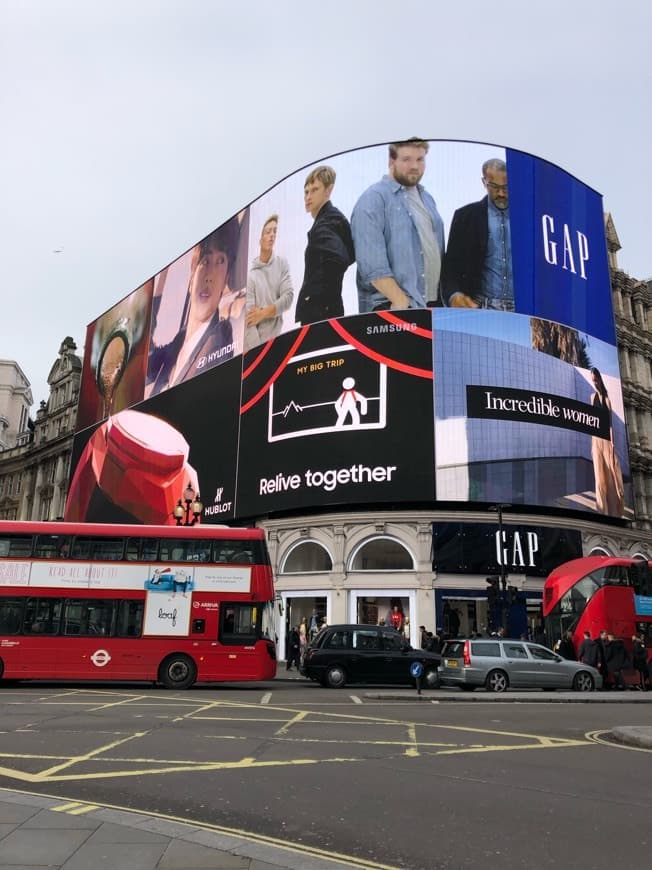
{"type": "Point", "coordinates": [329, 252]}
{"type": "Point", "coordinates": [588, 652]}
{"type": "Point", "coordinates": [293, 655]}
{"type": "Point", "coordinates": [616, 660]}
{"type": "Point", "coordinates": [477, 268]}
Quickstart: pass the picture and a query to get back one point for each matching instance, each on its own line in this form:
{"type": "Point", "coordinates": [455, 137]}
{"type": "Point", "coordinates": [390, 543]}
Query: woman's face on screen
{"type": "Point", "coordinates": [208, 283]}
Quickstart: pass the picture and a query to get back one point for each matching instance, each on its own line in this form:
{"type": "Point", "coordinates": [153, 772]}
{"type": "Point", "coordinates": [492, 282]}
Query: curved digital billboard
{"type": "Point", "coordinates": [422, 322]}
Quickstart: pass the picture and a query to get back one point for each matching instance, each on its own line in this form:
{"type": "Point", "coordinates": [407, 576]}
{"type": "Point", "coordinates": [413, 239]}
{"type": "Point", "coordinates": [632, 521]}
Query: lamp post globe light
{"type": "Point", "coordinates": [188, 511]}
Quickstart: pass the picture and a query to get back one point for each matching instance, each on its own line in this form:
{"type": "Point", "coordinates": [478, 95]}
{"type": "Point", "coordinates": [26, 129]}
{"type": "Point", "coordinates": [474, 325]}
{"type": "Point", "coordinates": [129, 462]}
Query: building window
{"type": "Point", "coordinates": [308, 556]}
{"type": "Point", "coordinates": [600, 551]}
{"type": "Point", "coordinates": [381, 554]}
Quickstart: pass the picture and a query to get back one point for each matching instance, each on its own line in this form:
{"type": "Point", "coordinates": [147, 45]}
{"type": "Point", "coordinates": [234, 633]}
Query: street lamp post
{"type": "Point", "coordinates": [188, 511]}
{"type": "Point", "coordinates": [500, 550]}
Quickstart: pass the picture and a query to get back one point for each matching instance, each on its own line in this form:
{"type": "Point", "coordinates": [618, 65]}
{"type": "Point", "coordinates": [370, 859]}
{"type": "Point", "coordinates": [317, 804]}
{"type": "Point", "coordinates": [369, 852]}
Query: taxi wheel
{"type": "Point", "coordinates": [178, 672]}
{"type": "Point", "coordinates": [336, 677]}
{"type": "Point", "coordinates": [497, 681]}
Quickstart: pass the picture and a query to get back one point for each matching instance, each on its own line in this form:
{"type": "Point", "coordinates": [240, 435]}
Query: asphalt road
{"type": "Point", "coordinates": [397, 783]}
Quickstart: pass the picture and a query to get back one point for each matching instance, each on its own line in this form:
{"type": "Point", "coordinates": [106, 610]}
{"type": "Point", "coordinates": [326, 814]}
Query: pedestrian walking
{"type": "Point", "coordinates": [294, 649]}
{"type": "Point", "coordinates": [639, 660]}
{"type": "Point", "coordinates": [567, 647]}
{"type": "Point", "coordinates": [616, 660]}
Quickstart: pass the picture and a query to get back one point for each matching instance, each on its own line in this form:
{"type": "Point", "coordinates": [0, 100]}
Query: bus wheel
{"type": "Point", "coordinates": [177, 672]}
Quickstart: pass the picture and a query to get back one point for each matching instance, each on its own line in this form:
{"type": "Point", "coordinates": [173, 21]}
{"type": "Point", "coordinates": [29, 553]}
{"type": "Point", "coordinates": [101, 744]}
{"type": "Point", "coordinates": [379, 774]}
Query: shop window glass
{"type": "Point", "coordinates": [308, 556]}
{"type": "Point", "coordinates": [382, 554]}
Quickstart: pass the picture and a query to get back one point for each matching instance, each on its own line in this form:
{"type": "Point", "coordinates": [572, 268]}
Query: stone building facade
{"type": "Point", "coordinates": [34, 470]}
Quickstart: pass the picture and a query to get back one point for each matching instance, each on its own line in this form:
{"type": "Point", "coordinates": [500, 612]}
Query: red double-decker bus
{"type": "Point", "coordinates": [164, 604]}
{"type": "Point", "coordinates": [599, 592]}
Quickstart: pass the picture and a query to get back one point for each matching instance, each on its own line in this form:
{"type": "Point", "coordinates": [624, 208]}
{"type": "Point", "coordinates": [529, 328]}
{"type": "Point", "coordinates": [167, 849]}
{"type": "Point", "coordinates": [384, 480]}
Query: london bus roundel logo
{"type": "Point", "coordinates": [100, 658]}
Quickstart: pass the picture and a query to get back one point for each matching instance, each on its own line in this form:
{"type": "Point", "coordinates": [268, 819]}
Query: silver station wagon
{"type": "Point", "coordinates": [498, 664]}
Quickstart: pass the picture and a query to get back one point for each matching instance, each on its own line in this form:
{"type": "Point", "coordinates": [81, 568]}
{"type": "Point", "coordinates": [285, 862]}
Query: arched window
{"type": "Point", "coordinates": [600, 551]}
{"type": "Point", "coordinates": [641, 556]}
{"type": "Point", "coordinates": [381, 554]}
{"type": "Point", "coordinates": [305, 557]}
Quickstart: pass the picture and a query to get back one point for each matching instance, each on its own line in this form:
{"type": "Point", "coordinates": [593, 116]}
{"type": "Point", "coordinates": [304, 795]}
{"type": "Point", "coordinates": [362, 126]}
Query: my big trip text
{"type": "Point", "coordinates": [319, 365]}
{"type": "Point", "coordinates": [327, 480]}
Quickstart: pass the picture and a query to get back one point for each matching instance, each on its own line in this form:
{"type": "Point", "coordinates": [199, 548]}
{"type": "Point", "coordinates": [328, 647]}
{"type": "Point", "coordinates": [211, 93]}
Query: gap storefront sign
{"type": "Point", "coordinates": [483, 548]}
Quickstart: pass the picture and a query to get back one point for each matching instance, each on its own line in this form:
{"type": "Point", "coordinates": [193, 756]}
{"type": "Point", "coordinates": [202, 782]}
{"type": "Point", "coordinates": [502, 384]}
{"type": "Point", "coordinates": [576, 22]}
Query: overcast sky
{"type": "Point", "coordinates": [132, 128]}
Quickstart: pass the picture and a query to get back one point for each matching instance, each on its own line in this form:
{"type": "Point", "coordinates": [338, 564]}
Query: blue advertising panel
{"type": "Point", "coordinates": [558, 247]}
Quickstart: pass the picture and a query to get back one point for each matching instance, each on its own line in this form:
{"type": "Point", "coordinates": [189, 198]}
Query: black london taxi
{"type": "Point", "coordinates": [342, 654]}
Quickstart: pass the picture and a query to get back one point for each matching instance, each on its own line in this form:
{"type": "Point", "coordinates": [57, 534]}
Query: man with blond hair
{"type": "Point", "coordinates": [269, 289]}
{"type": "Point", "coordinates": [398, 235]}
{"type": "Point", "coordinates": [329, 252]}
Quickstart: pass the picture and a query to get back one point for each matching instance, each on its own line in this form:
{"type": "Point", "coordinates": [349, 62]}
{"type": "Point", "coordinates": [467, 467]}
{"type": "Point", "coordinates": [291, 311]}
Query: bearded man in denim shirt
{"type": "Point", "coordinates": [398, 236]}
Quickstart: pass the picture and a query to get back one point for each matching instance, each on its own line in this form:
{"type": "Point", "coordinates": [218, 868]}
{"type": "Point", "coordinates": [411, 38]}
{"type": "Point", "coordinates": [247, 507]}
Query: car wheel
{"type": "Point", "coordinates": [178, 672]}
{"type": "Point", "coordinates": [497, 681]}
{"type": "Point", "coordinates": [336, 677]}
{"type": "Point", "coordinates": [431, 678]}
{"type": "Point", "coordinates": [583, 682]}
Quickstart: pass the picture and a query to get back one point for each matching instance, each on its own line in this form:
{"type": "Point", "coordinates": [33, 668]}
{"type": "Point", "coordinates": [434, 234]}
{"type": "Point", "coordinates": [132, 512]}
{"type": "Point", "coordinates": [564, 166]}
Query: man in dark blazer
{"type": "Point", "coordinates": [477, 268]}
{"type": "Point", "coordinates": [329, 252]}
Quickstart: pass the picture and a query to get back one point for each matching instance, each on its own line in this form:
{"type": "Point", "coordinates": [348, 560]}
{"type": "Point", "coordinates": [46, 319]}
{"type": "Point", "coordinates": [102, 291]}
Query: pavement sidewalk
{"type": "Point", "coordinates": [38, 832]}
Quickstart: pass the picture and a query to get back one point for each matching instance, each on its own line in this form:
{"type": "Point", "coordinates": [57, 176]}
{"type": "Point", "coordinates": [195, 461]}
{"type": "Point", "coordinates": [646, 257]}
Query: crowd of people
{"type": "Point", "coordinates": [609, 655]}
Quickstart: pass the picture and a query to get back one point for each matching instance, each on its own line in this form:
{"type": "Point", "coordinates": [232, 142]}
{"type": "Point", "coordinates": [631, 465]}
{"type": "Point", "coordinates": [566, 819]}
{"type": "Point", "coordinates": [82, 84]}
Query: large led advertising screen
{"type": "Point", "coordinates": [416, 322]}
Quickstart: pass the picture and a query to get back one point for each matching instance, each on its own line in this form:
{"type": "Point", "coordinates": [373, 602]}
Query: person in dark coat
{"type": "Point", "coordinates": [205, 336]}
{"type": "Point", "coordinates": [477, 268]}
{"type": "Point", "coordinates": [567, 647]}
{"type": "Point", "coordinates": [329, 252]}
{"type": "Point", "coordinates": [616, 660]}
{"type": "Point", "coordinates": [588, 652]}
{"type": "Point", "coordinates": [602, 660]}
{"type": "Point", "coordinates": [294, 649]}
{"type": "Point", "coordinates": [639, 660]}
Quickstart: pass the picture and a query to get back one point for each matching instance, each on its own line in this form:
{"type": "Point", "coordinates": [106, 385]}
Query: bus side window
{"type": "Point", "coordinates": [130, 618]}
{"type": "Point", "coordinates": [18, 546]}
{"type": "Point", "coordinates": [11, 615]}
{"type": "Point", "coordinates": [81, 548]}
{"type": "Point", "coordinates": [42, 615]}
{"type": "Point", "coordinates": [52, 547]}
